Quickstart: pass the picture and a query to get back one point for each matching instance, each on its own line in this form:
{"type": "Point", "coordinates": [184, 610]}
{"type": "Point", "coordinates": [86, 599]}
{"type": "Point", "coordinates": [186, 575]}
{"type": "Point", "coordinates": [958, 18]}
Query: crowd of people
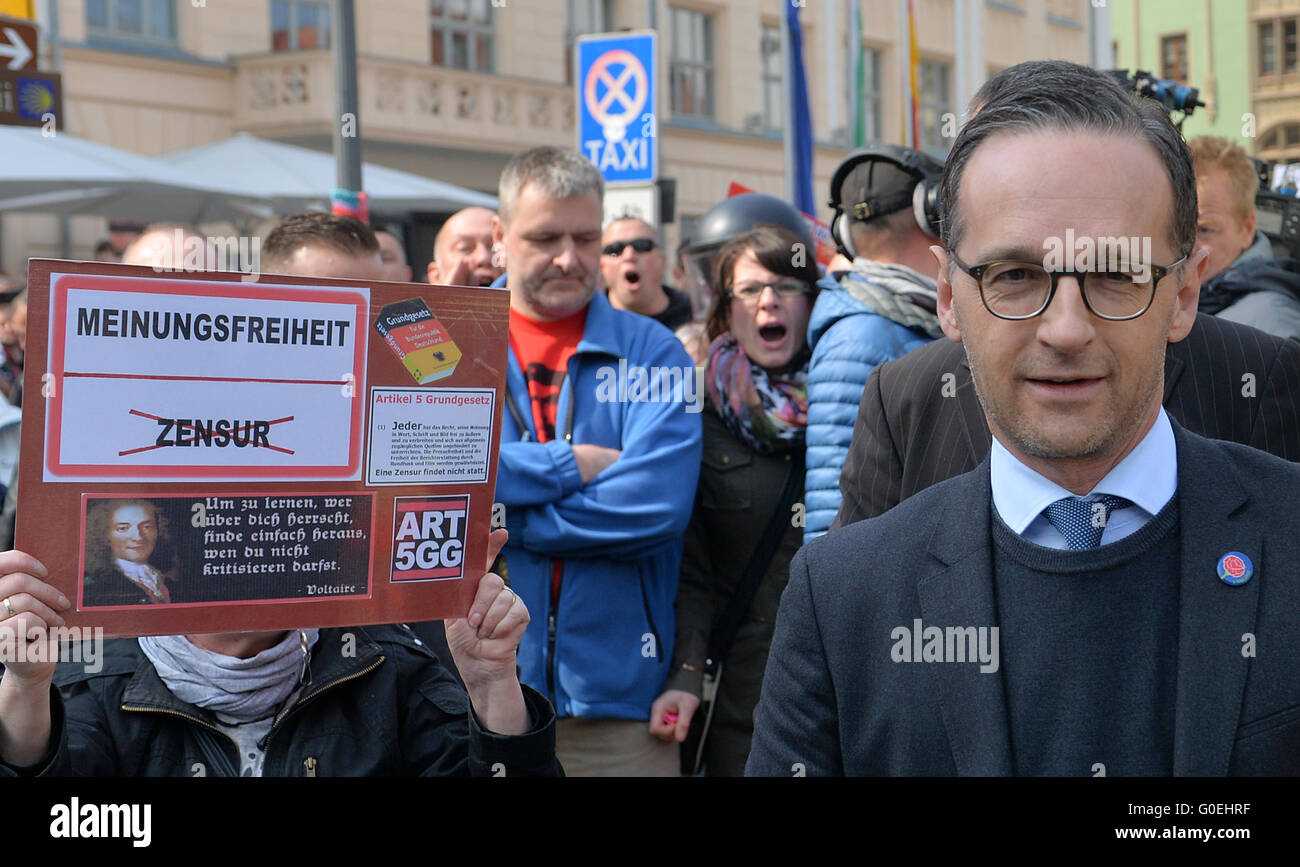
{"type": "Point", "coordinates": [938, 433]}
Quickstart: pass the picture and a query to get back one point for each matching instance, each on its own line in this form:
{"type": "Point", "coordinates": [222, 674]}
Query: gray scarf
{"type": "Point", "coordinates": [897, 293]}
{"type": "Point", "coordinates": [236, 690]}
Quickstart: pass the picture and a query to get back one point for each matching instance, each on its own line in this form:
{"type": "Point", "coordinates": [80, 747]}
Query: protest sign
{"type": "Point", "coordinates": [201, 453]}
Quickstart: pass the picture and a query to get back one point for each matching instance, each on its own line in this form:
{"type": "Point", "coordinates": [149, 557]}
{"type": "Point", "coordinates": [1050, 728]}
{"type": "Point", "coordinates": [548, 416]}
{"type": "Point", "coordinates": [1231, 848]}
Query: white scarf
{"type": "Point", "coordinates": [236, 690]}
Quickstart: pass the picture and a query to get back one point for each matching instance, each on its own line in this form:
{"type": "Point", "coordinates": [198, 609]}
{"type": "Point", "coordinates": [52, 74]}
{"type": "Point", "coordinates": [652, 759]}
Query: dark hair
{"type": "Point", "coordinates": [316, 229]}
{"type": "Point", "coordinates": [99, 552]}
{"type": "Point", "coordinates": [1058, 95]}
{"type": "Point", "coordinates": [776, 249]}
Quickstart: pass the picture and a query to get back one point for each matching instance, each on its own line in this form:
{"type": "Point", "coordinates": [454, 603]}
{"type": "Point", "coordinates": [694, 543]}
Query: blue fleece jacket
{"type": "Point", "coordinates": [619, 537]}
{"type": "Point", "coordinates": [848, 340]}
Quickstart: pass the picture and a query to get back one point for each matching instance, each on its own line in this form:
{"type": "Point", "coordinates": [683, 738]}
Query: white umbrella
{"type": "Point", "coordinates": [295, 178]}
{"type": "Point", "coordinates": [62, 174]}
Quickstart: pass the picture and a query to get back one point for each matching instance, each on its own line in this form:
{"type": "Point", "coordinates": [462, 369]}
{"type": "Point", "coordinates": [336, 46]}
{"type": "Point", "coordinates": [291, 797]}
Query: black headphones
{"type": "Point", "coordinates": [924, 197]}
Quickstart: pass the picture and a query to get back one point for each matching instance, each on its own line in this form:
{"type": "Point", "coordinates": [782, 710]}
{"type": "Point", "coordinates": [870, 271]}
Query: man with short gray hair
{"type": "Point", "coordinates": [600, 452]}
{"type": "Point", "coordinates": [1076, 605]}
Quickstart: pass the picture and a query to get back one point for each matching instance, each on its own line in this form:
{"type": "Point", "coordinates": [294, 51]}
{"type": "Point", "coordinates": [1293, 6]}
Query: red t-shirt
{"type": "Point", "coordinates": [543, 350]}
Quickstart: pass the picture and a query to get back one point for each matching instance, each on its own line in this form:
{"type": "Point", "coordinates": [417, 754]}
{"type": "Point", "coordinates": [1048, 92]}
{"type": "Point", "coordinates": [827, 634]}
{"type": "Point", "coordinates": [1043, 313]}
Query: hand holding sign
{"type": "Point", "coordinates": [29, 649]}
{"type": "Point", "coordinates": [483, 646]}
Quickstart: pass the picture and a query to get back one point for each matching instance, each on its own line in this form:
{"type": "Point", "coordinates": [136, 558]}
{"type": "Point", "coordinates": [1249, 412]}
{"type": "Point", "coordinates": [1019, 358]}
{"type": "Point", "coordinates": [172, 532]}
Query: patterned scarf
{"type": "Point", "coordinates": [896, 292]}
{"type": "Point", "coordinates": [766, 412]}
{"type": "Point", "coordinates": [236, 690]}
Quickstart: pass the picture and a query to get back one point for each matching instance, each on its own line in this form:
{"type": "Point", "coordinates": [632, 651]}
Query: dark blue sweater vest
{"type": "Point", "coordinates": [1089, 651]}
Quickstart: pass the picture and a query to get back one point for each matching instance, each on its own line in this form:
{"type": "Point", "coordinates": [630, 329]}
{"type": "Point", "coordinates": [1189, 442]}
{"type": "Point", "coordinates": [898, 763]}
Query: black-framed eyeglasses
{"type": "Point", "coordinates": [1013, 289]}
{"type": "Point", "coordinates": [641, 245]}
{"type": "Point", "coordinates": [787, 287]}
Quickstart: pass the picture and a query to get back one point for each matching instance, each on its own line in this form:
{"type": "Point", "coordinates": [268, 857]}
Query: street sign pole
{"type": "Point", "coordinates": [347, 135]}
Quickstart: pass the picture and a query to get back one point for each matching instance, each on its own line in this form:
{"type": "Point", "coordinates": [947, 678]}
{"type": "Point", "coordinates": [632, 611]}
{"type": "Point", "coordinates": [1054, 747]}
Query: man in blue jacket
{"type": "Point", "coordinates": [879, 310]}
{"type": "Point", "coordinates": [600, 452]}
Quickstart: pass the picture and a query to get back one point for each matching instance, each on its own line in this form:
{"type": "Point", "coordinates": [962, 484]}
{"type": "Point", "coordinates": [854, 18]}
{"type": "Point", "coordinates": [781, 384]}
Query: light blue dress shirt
{"type": "Point", "coordinates": [1147, 476]}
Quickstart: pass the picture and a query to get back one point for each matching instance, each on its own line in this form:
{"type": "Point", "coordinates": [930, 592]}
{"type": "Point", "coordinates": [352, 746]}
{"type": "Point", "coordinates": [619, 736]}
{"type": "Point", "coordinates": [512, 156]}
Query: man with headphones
{"type": "Point", "coordinates": [881, 307]}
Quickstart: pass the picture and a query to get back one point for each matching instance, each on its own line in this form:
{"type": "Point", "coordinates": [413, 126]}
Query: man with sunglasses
{"type": "Point", "coordinates": [1088, 600]}
{"type": "Point", "coordinates": [632, 264]}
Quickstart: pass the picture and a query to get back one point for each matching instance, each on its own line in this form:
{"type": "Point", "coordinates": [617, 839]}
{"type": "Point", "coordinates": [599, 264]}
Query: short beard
{"type": "Point", "coordinates": [1098, 443]}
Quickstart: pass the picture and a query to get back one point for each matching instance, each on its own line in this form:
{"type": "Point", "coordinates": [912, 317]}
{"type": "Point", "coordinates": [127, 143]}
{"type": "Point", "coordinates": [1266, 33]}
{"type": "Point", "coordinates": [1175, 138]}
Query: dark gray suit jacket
{"type": "Point", "coordinates": [834, 701]}
{"type": "Point", "coordinates": [920, 421]}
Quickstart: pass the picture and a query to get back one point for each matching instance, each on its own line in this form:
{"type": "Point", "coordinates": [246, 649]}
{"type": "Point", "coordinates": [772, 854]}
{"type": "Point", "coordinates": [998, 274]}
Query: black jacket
{"type": "Point", "coordinates": [834, 701]}
{"type": "Point", "coordinates": [737, 494]}
{"type": "Point", "coordinates": [388, 709]}
{"type": "Point", "coordinates": [920, 421]}
{"type": "Point", "coordinates": [678, 311]}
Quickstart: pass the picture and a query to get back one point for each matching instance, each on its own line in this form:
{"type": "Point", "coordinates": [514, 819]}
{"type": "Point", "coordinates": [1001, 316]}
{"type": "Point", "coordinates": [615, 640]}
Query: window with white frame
{"type": "Point", "coordinates": [460, 33]}
{"type": "Point", "coordinates": [691, 62]}
{"type": "Point", "coordinates": [132, 19]}
{"type": "Point", "coordinates": [583, 17]}
{"type": "Point", "coordinates": [297, 25]}
{"type": "Point", "coordinates": [936, 101]}
{"type": "Point", "coordinates": [872, 98]}
{"type": "Point", "coordinates": [769, 48]}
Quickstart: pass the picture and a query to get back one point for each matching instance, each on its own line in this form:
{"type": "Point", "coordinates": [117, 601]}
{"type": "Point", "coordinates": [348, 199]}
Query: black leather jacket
{"type": "Point", "coordinates": [400, 712]}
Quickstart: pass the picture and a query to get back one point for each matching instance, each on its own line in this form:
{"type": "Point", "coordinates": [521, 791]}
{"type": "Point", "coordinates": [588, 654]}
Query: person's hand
{"type": "Point", "coordinates": [35, 608]}
{"type": "Point", "coordinates": [593, 459]}
{"type": "Point", "coordinates": [29, 610]}
{"type": "Point", "coordinates": [673, 701]}
{"type": "Point", "coordinates": [483, 646]}
{"type": "Point", "coordinates": [460, 275]}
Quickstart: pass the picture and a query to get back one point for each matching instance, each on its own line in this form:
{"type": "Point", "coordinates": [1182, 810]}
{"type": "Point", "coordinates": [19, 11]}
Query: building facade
{"type": "Point", "coordinates": [1200, 43]}
{"type": "Point", "coordinates": [1274, 71]}
{"type": "Point", "coordinates": [451, 89]}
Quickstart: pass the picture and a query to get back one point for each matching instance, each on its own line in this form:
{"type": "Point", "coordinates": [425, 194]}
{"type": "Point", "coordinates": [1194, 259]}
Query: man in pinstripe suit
{"type": "Point", "coordinates": [920, 421]}
{"type": "Point", "coordinates": [1106, 593]}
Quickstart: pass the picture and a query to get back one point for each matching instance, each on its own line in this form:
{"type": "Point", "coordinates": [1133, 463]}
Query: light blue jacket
{"type": "Point", "coordinates": [848, 340]}
{"type": "Point", "coordinates": [603, 651]}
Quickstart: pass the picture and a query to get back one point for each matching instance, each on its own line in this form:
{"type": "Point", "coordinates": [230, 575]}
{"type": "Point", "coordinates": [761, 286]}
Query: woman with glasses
{"type": "Point", "coordinates": [745, 527]}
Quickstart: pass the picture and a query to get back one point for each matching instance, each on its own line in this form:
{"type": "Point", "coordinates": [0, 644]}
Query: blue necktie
{"type": "Point", "coordinates": [1082, 521]}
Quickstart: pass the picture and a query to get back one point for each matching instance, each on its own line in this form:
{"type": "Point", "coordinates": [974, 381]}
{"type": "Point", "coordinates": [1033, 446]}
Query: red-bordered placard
{"type": "Point", "coordinates": [268, 541]}
{"type": "Point", "coordinates": [353, 377]}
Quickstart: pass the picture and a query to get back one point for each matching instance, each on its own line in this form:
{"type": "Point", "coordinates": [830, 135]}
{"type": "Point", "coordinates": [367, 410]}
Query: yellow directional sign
{"type": "Point", "coordinates": [18, 8]}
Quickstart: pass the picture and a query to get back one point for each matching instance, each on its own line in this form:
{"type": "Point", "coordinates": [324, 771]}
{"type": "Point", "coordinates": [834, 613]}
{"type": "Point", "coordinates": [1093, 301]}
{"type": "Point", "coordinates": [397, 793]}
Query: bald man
{"type": "Point", "coordinates": [164, 246]}
{"type": "Point", "coordinates": [466, 236]}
